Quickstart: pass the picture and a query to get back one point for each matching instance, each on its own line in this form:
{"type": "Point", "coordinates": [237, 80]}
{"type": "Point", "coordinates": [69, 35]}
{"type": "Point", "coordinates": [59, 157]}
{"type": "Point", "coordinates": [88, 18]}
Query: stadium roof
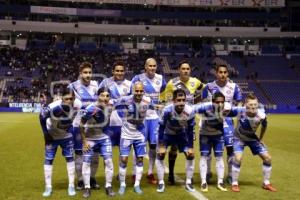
{"type": "Point", "coordinates": [192, 3]}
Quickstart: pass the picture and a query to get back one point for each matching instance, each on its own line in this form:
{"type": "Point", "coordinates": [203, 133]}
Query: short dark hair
{"type": "Point", "coordinates": [250, 96]}
{"type": "Point", "coordinates": [183, 62]}
{"type": "Point", "coordinates": [220, 63]}
{"type": "Point", "coordinates": [178, 92]}
{"type": "Point", "coordinates": [103, 89]}
{"type": "Point", "coordinates": [118, 62]}
{"type": "Point", "coordinates": [85, 65]}
{"type": "Point", "coordinates": [217, 95]}
{"type": "Point", "coordinates": [66, 91]}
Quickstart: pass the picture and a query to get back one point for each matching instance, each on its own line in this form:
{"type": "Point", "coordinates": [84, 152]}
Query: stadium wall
{"type": "Point", "coordinates": [119, 29]}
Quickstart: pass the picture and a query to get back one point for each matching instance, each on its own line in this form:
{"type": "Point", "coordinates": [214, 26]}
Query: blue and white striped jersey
{"type": "Point", "coordinates": [152, 87]}
{"type": "Point", "coordinates": [117, 89]}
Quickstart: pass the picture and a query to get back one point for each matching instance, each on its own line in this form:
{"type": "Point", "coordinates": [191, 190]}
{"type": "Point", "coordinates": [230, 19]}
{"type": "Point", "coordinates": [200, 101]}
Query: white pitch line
{"type": "Point", "coordinates": [198, 195]}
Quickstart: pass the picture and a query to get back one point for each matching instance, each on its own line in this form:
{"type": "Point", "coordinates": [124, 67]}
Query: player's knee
{"type": "Point", "coordinates": [139, 161]}
{"type": "Point", "coordinates": [48, 161]}
{"type": "Point", "coordinates": [78, 152]}
{"type": "Point", "coordinates": [267, 159]}
{"type": "Point", "coordinates": [109, 163]}
{"type": "Point", "coordinates": [123, 161]}
{"type": "Point", "coordinates": [173, 149]}
{"type": "Point", "coordinates": [172, 155]}
{"type": "Point", "coordinates": [218, 154]}
{"type": "Point", "coordinates": [204, 157]}
{"type": "Point", "coordinates": [238, 160]}
{"type": "Point", "coordinates": [219, 158]}
{"type": "Point", "coordinates": [152, 146]}
{"type": "Point", "coordinates": [190, 157]}
{"type": "Point", "coordinates": [160, 156]}
{"type": "Point", "coordinates": [229, 151]}
{"type": "Point", "coordinates": [95, 159]}
{"type": "Point", "coordinates": [69, 159]}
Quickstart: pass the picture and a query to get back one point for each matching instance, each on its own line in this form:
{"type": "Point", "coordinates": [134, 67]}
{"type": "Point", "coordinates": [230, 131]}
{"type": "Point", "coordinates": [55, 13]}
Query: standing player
{"type": "Point", "coordinates": [211, 137]}
{"type": "Point", "coordinates": [154, 84]}
{"type": "Point", "coordinates": [94, 122]}
{"type": "Point", "coordinates": [245, 135]}
{"type": "Point", "coordinates": [118, 86]}
{"type": "Point", "coordinates": [132, 134]}
{"type": "Point", "coordinates": [85, 90]}
{"type": "Point", "coordinates": [233, 95]}
{"type": "Point", "coordinates": [192, 87]}
{"type": "Point", "coordinates": [177, 129]}
{"type": "Point", "coordinates": [56, 122]}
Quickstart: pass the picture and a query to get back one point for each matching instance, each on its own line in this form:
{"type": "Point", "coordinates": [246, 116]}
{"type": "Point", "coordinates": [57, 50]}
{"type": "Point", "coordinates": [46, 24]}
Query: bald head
{"type": "Point", "coordinates": [138, 91]}
{"type": "Point", "coordinates": [150, 67]}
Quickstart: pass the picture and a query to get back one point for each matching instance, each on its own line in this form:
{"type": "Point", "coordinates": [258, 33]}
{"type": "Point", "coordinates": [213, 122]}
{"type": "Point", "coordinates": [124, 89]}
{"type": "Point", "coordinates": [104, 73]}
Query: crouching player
{"type": "Point", "coordinates": [176, 129]}
{"type": "Point", "coordinates": [249, 120]}
{"type": "Point", "coordinates": [56, 122]}
{"type": "Point", "coordinates": [94, 122]}
{"type": "Point", "coordinates": [211, 137]}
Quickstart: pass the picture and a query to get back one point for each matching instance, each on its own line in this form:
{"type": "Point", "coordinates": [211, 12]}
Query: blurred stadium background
{"type": "Point", "coordinates": [45, 41]}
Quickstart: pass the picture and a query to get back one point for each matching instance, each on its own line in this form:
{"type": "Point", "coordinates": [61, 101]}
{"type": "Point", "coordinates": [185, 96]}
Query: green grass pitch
{"type": "Point", "coordinates": [22, 155]}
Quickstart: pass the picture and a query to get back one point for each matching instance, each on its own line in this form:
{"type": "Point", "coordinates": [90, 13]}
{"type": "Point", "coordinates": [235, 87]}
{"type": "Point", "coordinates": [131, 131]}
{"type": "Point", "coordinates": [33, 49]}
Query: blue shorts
{"type": "Point", "coordinates": [180, 141]}
{"type": "Point", "coordinates": [255, 146]}
{"type": "Point", "coordinates": [66, 145]}
{"type": "Point", "coordinates": [207, 142]}
{"type": "Point", "coordinates": [228, 131]}
{"type": "Point", "coordinates": [114, 132]}
{"type": "Point", "coordinates": [139, 147]}
{"type": "Point", "coordinates": [103, 147]}
{"type": "Point", "coordinates": [151, 130]}
{"type": "Point", "coordinates": [77, 139]}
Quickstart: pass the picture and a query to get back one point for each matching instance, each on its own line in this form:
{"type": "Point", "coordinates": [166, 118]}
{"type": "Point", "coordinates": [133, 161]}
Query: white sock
{"type": "Point", "coordinates": [138, 175]}
{"type": "Point", "coordinates": [78, 166]}
{"type": "Point", "coordinates": [235, 173]}
{"type": "Point", "coordinates": [220, 169]}
{"type": "Point", "coordinates": [160, 168]}
{"type": "Point", "coordinates": [86, 174]}
{"type": "Point", "coordinates": [48, 175]}
{"type": "Point", "coordinates": [94, 164]}
{"type": "Point", "coordinates": [109, 172]}
{"type": "Point", "coordinates": [189, 170]}
{"type": "Point", "coordinates": [71, 173]}
{"type": "Point", "coordinates": [229, 163]}
{"type": "Point", "coordinates": [133, 163]}
{"type": "Point", "coordinates": [152, 155]}
{"type": "Point", "coordinates": [122, 175]}
{"type": "Point", "coordinates": [203, 168]}
{"type": "Point", "coordinates": [267, 173]}
{"type": "Point", "coordinates": [209, 164]}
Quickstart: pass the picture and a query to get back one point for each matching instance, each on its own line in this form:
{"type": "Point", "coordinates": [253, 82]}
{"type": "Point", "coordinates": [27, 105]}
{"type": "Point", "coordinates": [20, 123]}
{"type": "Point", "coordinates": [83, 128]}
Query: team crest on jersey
{"type": "Point", "coordinates": [228, 92]}
{"type": "Point", "coordinates": [157, 82]}
{"type": "Point", "coordinates": [143, 108]}
{"type": "Point", "coordinates": [182, 122]}
{"type": "Point", "coordinates": [125, 90]}
{"type": "Point", "coordinates": [145, 83]}
{"type": "Point", "coordinates": [192, 84]}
